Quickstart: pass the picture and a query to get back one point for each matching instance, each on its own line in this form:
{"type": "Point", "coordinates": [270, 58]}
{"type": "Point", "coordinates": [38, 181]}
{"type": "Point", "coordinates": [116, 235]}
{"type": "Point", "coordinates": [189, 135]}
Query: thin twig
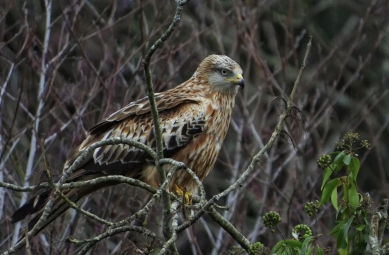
{"type": "Point", "coordinates": [85, 155]}
{"type": "Point", "coordinates": [42, 83]}
{"type": "Point", "coordinates": [140, 213]}
{"type": "Point", "coordinates": [81, 184]}
{"type": "Point", "coordinates": [111, 232]}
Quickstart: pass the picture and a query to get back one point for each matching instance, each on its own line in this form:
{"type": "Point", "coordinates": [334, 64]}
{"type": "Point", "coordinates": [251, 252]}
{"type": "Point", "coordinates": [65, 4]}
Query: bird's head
{"type": "Point", "coordinates": [222, 73]}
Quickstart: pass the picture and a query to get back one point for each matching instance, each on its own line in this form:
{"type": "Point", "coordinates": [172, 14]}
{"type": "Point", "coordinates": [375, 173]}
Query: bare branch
{"type": "Point", "coordinates": [174, 224]}
{"type": "Point", "coordinates": [154, 111]}
{"type": "Point", "coordinates": [227, 226]}
{"type": "Point", "coordinates": [111, 232]}
{"type": "Point", "coordinates": [42, 87]}
{"type": "Point", "coordinates": [378, 224]}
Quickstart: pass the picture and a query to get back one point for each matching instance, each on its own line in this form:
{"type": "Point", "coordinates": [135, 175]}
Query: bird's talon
{"type": "Point", "coordinates": [182, 192]}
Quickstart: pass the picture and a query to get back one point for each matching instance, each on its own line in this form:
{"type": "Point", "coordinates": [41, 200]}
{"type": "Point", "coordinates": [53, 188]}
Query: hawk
{"type": "Point", "coordinates": [194, 118]}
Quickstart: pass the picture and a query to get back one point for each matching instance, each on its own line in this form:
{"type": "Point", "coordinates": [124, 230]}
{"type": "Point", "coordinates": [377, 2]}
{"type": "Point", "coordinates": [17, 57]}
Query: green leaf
{"type": "Point", "coordinates": [319, 251]}
{"type": "Point", "coordinates": [328, 189]}
{"type": "Point", "coordinates": [339, 159]}
{"type": "Point", "coordinates": [342, 237]}
{"type": "Point", "coordinates": [360, 228]}
{"type": "Point", "coordinates": [347, 159]}
{"type": "Point", "coordinates": [335, 166]}
{"type": "Point", "coordinates": [334, 199]}
{"type": "Point", "coordinates": [342, 240]}
{"type": "Point", "coordinates": [310, 251]}
{"type": "Point", "coordinates": [327, 173]}
{"type": "Point", "coordinates": [293, 243]}
{"type": "Point", "coordinates": [305, 245]}
{"type": "Point", "coordinates": [289, 251]}
{"type": "Point", "coordinates": [278, 246]}
{"type": "Point", "coordinates": [354, 167]}
{"type": "Point", "coordinates": [353, 196]}
{"type": "Point", "coordinates": [337, 228]}
{"type": "Point", "coordinates": [343, 251]}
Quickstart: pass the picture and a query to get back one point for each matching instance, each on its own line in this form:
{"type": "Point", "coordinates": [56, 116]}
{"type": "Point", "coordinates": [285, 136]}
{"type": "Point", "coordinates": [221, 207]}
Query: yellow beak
{"type": "Point", "coordinates": [238, 80]}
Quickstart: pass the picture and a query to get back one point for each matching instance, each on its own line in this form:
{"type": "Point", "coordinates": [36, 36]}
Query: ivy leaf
{"type": "Point", "coordinates": [293, 243]}
{"type": "Point", "coordinates": [360, 228]}
{"type": "Point", "coordinates": [319, 251]}
{"type": "Point", "coordinates": [334, 200]}
{"type": "Point", "coordinates": [278, 246]}
{"type": "Point", "coordinates": [328, 189]}
{"type": "Point", "coordinates": [353, 167]}
{"type": "Point", "coordinates": [337, 228]}
{"type": "Point", "coordinates": [289, 251]}
{"type": "Point", "coordinates": [327, 173]}
{"type": "Point", "coordinates": [339, 158]}
{"type": "Point", "coordinates": [353, 196]}
{"type": "Point", "coordinates": [342, 237]}
{"type": "Point", "coordinates": [305, 245]}
{"type": "Point", "coordinates": [347, 159]}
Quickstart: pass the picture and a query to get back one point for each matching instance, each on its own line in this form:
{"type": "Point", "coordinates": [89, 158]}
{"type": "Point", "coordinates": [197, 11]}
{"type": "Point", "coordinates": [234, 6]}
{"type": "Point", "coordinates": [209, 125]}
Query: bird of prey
{"type": "Point", "coordinates": [194, 118]}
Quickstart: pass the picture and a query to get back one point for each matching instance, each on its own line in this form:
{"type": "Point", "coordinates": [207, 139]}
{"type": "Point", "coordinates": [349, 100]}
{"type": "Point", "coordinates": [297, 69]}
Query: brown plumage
{"type": "Point", "coordinates": [194, 120]}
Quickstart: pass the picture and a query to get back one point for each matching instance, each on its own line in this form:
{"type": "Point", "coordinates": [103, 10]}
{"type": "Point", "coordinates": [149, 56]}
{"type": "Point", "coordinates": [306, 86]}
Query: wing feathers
{"type": "Point", "coordinates": [164, 101]}
{"type": "Point", "coordinates": [179, 125]}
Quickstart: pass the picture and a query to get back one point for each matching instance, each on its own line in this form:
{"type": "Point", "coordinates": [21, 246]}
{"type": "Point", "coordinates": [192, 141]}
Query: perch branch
{"type": "Point", "coordinates": [154, 111]}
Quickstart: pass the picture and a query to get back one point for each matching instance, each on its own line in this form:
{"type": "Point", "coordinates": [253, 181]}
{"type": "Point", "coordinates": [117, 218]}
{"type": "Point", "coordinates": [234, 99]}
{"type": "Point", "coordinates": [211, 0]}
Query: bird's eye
{"type": "Point", "coordinates": [224, 72]}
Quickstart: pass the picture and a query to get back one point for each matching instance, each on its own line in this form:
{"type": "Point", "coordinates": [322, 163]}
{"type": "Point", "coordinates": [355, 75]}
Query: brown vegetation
{"type": "Point", "coordinates": [92, 61]}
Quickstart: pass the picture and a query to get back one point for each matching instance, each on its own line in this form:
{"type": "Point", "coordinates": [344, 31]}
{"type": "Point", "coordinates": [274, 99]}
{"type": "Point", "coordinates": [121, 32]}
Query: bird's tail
{"type": "Point", "coordinates": [37, 204]}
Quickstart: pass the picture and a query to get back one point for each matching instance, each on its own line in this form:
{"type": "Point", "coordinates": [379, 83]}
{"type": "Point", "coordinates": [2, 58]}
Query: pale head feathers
{"type": "Point", "coordinates": [221, 72]}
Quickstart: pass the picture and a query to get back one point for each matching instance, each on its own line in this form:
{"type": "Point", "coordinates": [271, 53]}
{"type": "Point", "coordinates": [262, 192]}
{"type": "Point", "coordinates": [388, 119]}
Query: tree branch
{"type": "Point", "coordinates": [111, 232]}
{"type": "Point", "coordinates": [85, 155]}
{"type": "Point", "coordinates": [227, 226]}
{"type": "Point", "coordinates": [378, 225]}
{"type": "Point", "coordinates": [143, 211]}
{"type": "Point", "coordinates": [41, 103]}
{"type": "Point", "coordinates": [154, 111]}
{"type": "Point", "coordinates": [174, 224]}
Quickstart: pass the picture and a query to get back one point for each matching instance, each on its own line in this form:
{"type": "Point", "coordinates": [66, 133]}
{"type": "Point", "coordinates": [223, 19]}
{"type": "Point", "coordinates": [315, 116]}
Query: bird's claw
{"type": "Point", "coordinates": [182, 192]}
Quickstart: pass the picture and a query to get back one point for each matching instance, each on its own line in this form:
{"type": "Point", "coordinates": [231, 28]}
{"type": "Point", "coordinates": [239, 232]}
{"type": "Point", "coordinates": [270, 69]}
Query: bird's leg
{"type": "Point", "coordinates": [182, 192]}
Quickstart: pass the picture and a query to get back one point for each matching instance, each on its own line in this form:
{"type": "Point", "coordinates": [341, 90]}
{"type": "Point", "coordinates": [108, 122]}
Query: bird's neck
{"type": "Point", "coordinates": [202, 88]}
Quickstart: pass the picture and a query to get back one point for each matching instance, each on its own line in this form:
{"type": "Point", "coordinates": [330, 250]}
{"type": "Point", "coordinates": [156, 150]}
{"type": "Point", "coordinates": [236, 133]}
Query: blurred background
{"type": "Point", "coordinates": [93, 67]}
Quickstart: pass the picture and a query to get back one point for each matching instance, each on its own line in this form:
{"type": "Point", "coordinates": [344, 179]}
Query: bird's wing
{"type": "Point", "coordinates": [181, 120]}
{"type": "Point", "coordinates": [164, 101]}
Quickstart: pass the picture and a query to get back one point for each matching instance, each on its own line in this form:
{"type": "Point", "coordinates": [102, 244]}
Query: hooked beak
{"type": "Point", "coordinates": [238, 80]}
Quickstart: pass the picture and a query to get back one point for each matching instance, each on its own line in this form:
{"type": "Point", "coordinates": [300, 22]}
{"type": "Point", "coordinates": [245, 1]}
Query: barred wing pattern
{"type": "Point", "coordinates": [179, 125]}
